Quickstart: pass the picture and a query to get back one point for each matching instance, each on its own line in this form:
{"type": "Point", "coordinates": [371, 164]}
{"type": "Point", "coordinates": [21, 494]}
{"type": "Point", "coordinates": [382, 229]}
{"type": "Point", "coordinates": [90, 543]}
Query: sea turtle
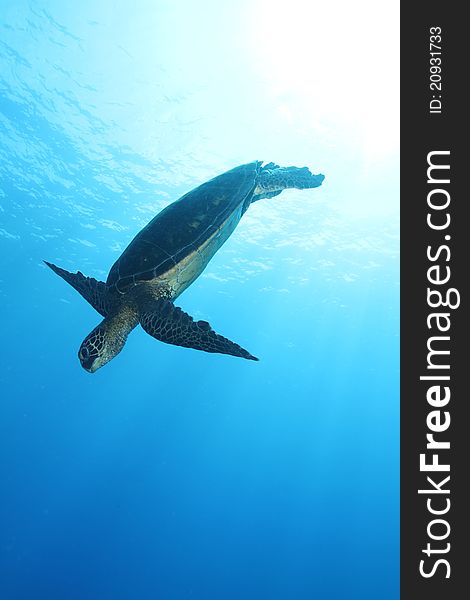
{"type": "Point", "coordinates": [167, 255]}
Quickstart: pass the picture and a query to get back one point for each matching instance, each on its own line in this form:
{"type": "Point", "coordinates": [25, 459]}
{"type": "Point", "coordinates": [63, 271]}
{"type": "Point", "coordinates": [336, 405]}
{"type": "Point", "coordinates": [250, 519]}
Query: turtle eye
{"type": "Point", "coordinates": [84, 353]}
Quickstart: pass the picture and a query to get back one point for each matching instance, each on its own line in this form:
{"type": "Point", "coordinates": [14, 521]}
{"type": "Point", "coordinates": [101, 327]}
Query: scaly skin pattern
{"type": "Point", "coordinates": [168, 323]}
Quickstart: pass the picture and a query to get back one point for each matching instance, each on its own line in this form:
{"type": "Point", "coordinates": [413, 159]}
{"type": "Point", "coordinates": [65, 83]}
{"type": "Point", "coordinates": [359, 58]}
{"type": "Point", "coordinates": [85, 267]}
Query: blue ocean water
{"type": "Point", "coordinates": [170, 473]}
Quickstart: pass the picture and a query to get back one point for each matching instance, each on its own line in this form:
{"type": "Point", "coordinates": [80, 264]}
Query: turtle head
{"type": "Point", "coordinates": [99, 347]}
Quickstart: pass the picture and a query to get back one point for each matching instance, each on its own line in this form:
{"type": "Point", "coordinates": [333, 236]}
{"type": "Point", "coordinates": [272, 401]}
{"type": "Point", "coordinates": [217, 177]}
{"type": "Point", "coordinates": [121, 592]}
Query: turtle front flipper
{"type": "Point", "coordinates": [164, 321]}
{"type": "Point", "coordinates": [91, 289]}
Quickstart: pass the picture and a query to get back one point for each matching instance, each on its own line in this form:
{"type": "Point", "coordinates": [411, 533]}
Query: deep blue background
{"type": "Point", "coordinates": [171, 473]}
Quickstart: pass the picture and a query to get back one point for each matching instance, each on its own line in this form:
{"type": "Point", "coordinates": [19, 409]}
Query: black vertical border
{"type": "Point", "coordinates": [422, 132]}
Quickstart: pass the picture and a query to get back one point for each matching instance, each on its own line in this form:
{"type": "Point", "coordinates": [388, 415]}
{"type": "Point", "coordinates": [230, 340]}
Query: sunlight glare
{"type": "Point", "coordinates": [334, 65]}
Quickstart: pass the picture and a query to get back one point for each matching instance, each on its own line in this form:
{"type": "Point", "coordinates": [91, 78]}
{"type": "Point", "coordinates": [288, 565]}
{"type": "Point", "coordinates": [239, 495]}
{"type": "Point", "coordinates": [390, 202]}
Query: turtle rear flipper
{"type": "Point", "coordinates": [273, 179]}
{"type": "Point", "coordinates": [91, 289]}
{"type": "Point", "coordinates": [165, 322]}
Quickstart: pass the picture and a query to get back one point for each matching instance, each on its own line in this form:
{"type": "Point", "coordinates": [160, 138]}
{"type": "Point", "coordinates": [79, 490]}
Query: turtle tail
{"type": "Point", "coordinates": [273, 179]}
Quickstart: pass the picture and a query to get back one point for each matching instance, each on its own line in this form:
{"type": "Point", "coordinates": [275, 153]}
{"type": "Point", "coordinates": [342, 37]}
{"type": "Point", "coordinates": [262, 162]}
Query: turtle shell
{"type": "Point", "coordinates": [182, 227]}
